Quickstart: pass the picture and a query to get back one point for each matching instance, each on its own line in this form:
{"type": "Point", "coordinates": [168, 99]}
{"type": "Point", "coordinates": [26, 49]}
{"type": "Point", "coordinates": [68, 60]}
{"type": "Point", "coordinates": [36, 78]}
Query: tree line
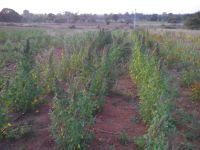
{"type": "Point", "coordinates": [10, 15]}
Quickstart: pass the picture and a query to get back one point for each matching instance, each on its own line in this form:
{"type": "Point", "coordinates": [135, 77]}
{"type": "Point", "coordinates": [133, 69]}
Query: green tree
{"type": "Point", "coordinates": [193, 21]}
{"type": "Point", "coordinates": [9, 15]}
{"type": "Point", "coordinates": [115, 17]}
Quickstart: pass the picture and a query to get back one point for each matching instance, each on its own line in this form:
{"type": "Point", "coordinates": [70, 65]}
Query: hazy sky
{"type": "Point", "coordinates": [102, 6]}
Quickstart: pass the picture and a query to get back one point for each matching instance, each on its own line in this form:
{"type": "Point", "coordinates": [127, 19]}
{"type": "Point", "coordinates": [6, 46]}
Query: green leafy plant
{"type": "Point", "coordinates": [3, 121]}
{"type": "Point", "coordinates": [189, 77]}
{"type": "Point", "coordinates": [85, 77]}
{"type": "Point", "coordinates": [196, 91]}
{"type": "Point", "coordinates": [24, 93]}
{"type": "Point", "coordinates": [17, 132]}
{"type": "Point", "coordinates": [140, 142]}
{"type": "Point", "coordinates": [72, 118]}
{"type": "Point", "coordinates": [123, 138]}
{"type": "Point", "coordinates": [153, 91]}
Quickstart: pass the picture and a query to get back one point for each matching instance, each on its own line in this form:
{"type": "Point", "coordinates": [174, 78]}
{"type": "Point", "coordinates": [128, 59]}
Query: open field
{"type": "Point", "coordinates": [99, 89]}
{"type": "Point", "coordinates": [81, 26]}
{"type": "Point", "coordinates": [112, 25]}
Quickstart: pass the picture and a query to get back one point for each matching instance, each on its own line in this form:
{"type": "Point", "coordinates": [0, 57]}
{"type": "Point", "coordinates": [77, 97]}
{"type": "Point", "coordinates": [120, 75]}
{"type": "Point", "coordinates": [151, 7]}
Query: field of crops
{"type": "Point", "coordinates": [99, 90]}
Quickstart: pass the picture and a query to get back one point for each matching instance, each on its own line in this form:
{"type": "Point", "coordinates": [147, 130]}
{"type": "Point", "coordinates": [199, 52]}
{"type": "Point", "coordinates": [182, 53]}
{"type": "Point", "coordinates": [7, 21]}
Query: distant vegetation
{"type": "Point", "coordinates": [193, 21]}
{"type": "Point", "coordinates": [9, 15]}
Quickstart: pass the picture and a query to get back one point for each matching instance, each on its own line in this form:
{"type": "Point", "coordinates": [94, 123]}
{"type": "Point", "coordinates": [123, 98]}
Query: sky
{"type": "Point", "coordinates": [103, 6]}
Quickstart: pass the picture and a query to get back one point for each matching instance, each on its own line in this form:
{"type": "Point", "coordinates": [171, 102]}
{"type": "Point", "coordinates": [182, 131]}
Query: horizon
{"type": "Point", "coordinates": [103, 6]}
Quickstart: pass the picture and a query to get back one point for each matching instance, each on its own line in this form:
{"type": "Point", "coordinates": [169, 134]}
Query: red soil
{"type": "Point", "coordinates": [40, 138]}
{"type": "Point", "coordinates": [117, 117]}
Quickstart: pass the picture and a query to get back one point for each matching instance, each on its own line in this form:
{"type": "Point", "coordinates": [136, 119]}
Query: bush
{"type": "Point", "coordinates": [72, 27]}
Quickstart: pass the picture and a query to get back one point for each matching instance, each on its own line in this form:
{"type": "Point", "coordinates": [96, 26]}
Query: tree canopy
{"type": "Point", "coordinates": [9, 15]}
{"type": "Point", "coordinates": [193, 21]}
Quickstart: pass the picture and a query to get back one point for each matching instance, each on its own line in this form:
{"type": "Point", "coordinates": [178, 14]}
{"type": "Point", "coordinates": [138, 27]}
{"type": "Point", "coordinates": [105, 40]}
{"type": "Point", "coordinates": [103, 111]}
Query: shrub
{"type": "Point", "coordinates": [107, 21]}
{"type": "Point", "coordinates": [72, 27]}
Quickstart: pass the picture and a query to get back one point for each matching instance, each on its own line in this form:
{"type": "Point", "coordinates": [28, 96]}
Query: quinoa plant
{"type": "Point", "coordinates": [154, 93]}
{"type": "Point", "coordinates": [84, 78]}
{"type": "Point", "coordinates": [71, 117]}
{"type": "Point", "coordinates": [23, 94]}
{"type": "Point", "coordinates": [3, 118]}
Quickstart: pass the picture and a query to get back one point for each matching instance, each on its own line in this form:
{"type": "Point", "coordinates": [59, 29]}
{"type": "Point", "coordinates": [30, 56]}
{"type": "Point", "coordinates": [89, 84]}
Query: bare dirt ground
{"type": "Point", "coordinates": [119, 116]}
{"type": "Point", "coordinates": [39, 138]}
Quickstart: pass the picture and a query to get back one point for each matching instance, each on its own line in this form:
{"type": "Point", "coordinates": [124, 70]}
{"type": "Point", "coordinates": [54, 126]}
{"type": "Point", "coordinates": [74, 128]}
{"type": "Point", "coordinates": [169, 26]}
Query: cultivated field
{"type": "Point", "coordinates": [99, 89]}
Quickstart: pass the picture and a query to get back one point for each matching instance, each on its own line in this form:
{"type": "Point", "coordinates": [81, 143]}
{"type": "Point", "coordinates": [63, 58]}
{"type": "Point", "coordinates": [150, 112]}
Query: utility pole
{"type": "Point", "coordinates": [134, 21]}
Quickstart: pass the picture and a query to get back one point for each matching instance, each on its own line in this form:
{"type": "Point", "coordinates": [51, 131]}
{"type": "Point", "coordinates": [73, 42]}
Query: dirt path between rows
{"type": "Point", "coordinates": [119, 122]}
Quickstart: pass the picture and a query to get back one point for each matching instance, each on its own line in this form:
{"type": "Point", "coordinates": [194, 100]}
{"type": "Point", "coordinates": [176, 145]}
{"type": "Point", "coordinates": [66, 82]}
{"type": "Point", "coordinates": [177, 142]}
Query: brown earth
{"type": "Point", "coordinates": [120, 115]}
{"type": "Point", "coordinates": [39, 138]}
